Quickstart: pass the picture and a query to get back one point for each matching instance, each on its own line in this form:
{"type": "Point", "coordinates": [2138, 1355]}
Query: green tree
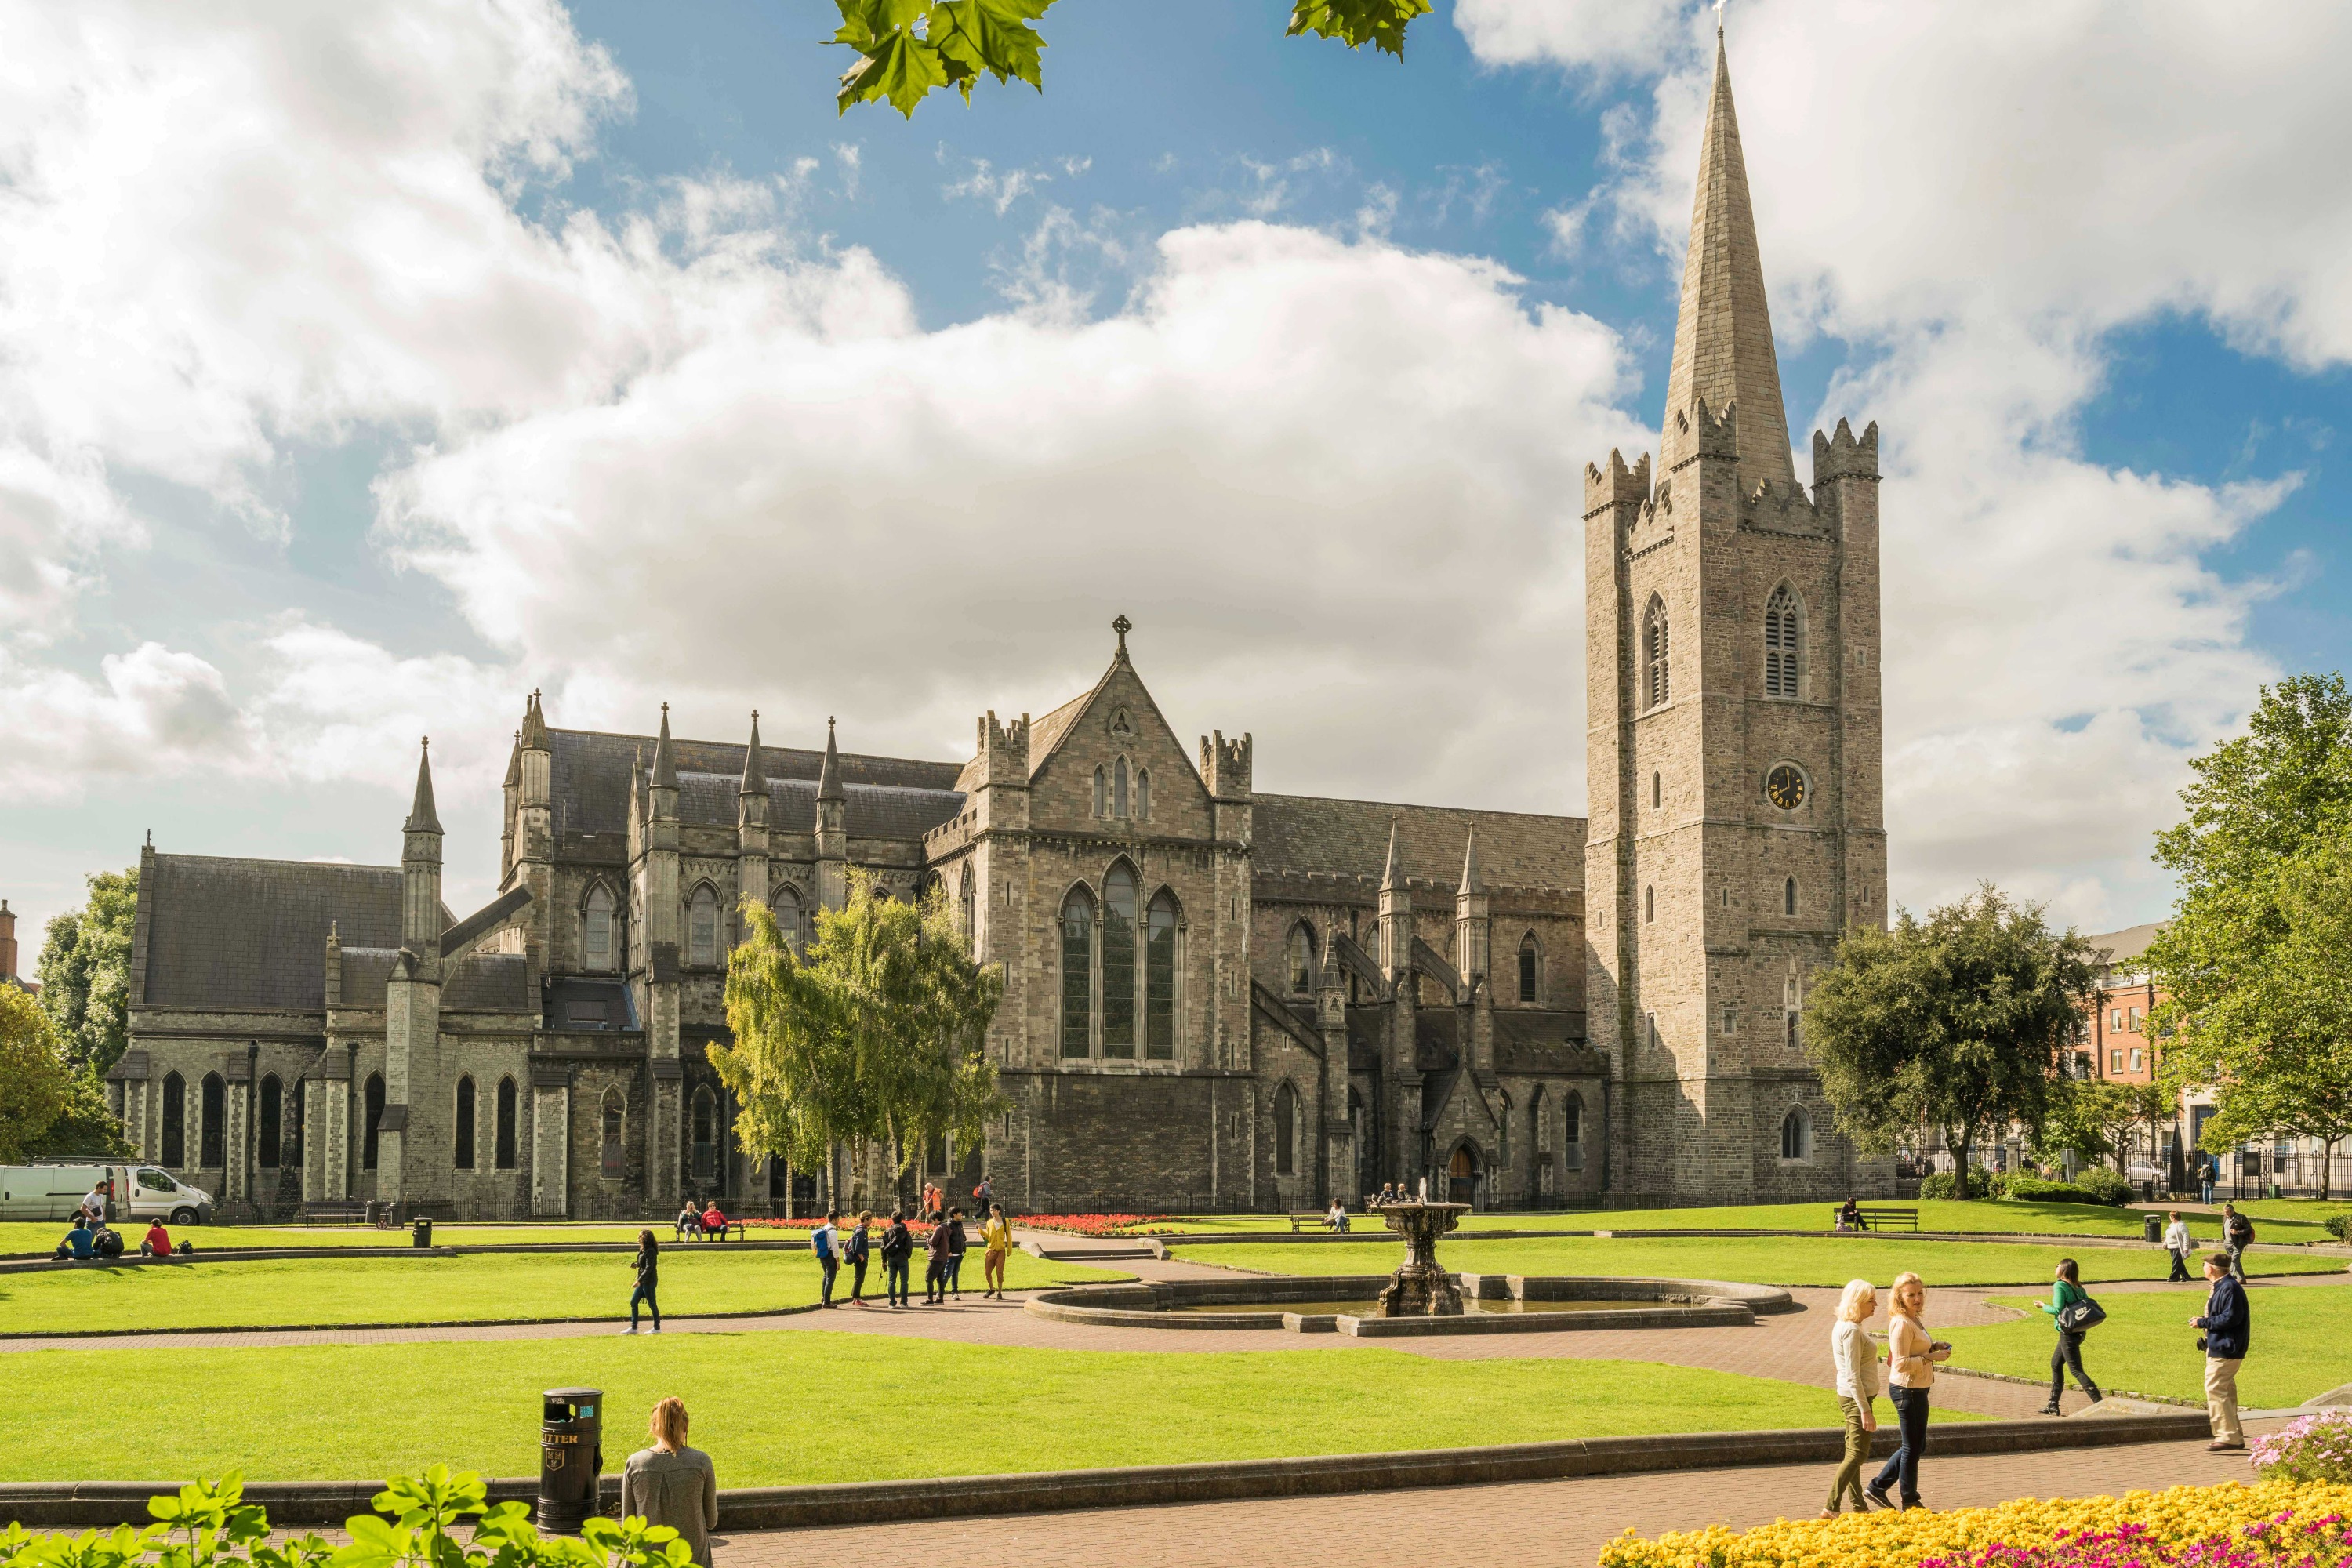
{"type": "Point", "coordinates": [35, 1082]}
{"type": "Point", "coordinates": [1953, 1022]}
{"type": "Point", "coordinates": [876, 1038]}
{"type": "Point", "coordinates": [907, 47]}
{"type": "Point", "coordinates": [2254, 963]}
{"type": "Point", "coordinates": [2098, 1120]}
{"type": "Point", "coordinates": [85, 971]}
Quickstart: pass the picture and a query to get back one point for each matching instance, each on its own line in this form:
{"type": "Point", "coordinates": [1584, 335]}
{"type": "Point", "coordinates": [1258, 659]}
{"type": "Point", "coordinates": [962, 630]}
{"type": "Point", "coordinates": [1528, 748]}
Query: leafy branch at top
{"type": "Point", "coordinates": [907, 48]}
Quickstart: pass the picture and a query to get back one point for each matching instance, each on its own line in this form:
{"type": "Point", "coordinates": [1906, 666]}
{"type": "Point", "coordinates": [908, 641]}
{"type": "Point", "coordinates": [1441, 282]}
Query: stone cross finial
{"type": "Point", "coordinates": [1123, 626]}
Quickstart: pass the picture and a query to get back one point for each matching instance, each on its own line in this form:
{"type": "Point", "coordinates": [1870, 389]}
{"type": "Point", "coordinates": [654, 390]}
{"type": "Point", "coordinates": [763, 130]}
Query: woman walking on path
{"type": "Point", "coordinates": [898, 1246]}
{"type": "Point", "coordinates": [1911, 1358]}
{"type": "Point", "coordinates": [2067, 1354]}
{"type": "Point", "coordinates": [648, 1279]}
{"type": "Point", "coordinates": [1856, 1359]}
{"type": "Point", "coordinates": [2176, 1242]}
{"type": "Point", "coordinates": [996, 1235]}
{"type": "Point", "coordinates": [854, 1252]}
{"type": "Point", "coordinates": [672, 1483]}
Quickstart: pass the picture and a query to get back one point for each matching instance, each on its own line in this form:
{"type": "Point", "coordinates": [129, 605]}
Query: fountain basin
{"type": "Point", "coordinates": [1494, 1303]}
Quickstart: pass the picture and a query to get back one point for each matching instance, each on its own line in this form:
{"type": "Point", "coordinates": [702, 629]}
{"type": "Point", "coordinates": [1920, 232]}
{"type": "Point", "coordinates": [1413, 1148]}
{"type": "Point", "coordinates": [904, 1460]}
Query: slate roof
{"type": "Point", "coordinates": [577, 1002]}
{"type": "Point", "coordinates": [2120, 949]}
{"type": "Point", "coordinates": [477, 983]}
{"type": "Point", "coordinates": [238, 933]}
{"type": "Point", "coordinates": [888, 798]}
{"type": "Point", "coordinates": [1297, 834]}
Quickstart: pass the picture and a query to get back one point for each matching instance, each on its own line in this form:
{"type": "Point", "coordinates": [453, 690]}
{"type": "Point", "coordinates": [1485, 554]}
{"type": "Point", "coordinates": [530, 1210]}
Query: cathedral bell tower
{"type": "Point", "coordinates": [1735, 758]}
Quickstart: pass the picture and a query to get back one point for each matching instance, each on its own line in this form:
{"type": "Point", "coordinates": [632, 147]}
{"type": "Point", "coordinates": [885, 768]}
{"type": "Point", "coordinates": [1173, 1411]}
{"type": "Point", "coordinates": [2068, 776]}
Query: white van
{"type": "Point", "coordinates": [131, 1192]}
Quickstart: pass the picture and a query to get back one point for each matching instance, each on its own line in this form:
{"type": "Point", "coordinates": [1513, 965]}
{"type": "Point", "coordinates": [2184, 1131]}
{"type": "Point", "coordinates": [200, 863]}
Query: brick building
{"type": "Point", "coordinates": [1214, 997]}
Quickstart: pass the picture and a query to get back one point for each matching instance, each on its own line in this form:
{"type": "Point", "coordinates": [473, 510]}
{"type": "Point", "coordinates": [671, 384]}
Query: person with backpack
{"type": "Point", "coordinates": [2075, 1314]}
{"type": "Point", "coordinates": [825, 1240]}
{"type": "Point", "coordinates": [2228, 1325]}
{"type": "Point", "coordinates": [898, 1247]}
{"type": "Point", "coordinates": [854, 1252]}
{"type": "Point", "coordinates": [2237, 1234]}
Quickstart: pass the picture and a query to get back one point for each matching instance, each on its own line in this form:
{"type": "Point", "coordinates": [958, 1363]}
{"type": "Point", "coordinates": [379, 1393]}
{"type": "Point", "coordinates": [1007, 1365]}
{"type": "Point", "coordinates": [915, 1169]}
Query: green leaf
{"type": "Point", "coordinates": [1355, 23]}
{"type": "Point", "coordinates": [991, 35]}
{"type": "Point", "coordinates": [900, 68]}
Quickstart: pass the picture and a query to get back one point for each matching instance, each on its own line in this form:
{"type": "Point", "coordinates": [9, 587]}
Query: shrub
{"type": "Point", "coordinates": [2106, 1187]}
{"type": "Point", "coordinates": [2270, 1522]}
{"type": "Point", "coordinates": [2315, 1449]}
{"type": "Point", "coordinates": [2034, 1190]}
{"type": "Point", "coordinates": [209, 1525]}
{"type": "Point", "coordinates": [2339, 1226]}
{"type": "Point", "coordinates": [1940, 1185]}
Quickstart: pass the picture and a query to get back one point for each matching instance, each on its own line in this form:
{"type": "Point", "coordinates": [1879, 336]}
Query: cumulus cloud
{"type": "Point", "coordinates": [1970, 210]}
{"type": "Point", "coordinates": [151, 711]}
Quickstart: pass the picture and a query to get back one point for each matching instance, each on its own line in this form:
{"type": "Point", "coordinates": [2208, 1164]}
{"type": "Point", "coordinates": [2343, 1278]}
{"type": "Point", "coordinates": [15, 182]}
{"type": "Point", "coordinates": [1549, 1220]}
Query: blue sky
{"type": "Point", "coordinates": [381, 441]}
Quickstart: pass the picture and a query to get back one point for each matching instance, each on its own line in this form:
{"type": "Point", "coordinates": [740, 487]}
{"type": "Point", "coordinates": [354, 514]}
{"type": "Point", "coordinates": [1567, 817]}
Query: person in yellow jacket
{"type": "Point", "coordinates": [996, 1235]}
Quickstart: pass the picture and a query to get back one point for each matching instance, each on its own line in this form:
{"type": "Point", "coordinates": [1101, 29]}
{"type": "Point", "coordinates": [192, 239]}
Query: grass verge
{"type": "Point", "coordinates": [781, 1408]}
{"type": "Point", "coordinates": [1778, 1260]}
{"type": "Point", "coordinates": [2299, 1346]}
{"type": "Point", "coordinates": [20, 1238]}
{"type": "Point", "coordinates": [2294, 1221]}
{"type": "Point", "coordinates": [135, 1297]}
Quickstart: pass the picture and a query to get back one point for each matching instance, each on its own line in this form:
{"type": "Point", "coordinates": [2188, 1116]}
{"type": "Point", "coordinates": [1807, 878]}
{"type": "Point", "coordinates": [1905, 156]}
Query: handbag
{"type": "Point", "coordinates": [2083, 1315]}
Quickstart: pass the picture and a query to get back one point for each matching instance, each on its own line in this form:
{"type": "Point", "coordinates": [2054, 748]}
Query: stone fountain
{"type": "Point", "coordinates": [1420, 1288]}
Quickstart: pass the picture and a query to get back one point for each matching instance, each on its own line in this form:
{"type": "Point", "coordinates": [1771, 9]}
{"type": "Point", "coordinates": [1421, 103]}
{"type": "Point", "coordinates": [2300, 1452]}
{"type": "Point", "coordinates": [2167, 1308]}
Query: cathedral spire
{"type": "Point", "coordinates": [1391, 874]}
{"type": "Point", "coordinates": [828, 777]}
{"type": "Point", "coordinates": [755, 763]}
{"type": "Point", "coordinates": [422, 817]}
{"type": "Point", "coordinates": [1723, 334]}
{"type": "Point", "coordinates": [1470, 865]}
{"type": "Point", "coordinates": [665, 764]}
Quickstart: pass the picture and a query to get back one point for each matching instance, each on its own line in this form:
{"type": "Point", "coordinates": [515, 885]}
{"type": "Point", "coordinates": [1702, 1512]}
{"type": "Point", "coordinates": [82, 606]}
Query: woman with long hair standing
{"type": "Point", "coordinates": [1856, 1362]}
{"type": "Point", "coordinates": [648, 1281]}
{"type": "Point", "coordinates": [672, 1483]}
{"type": "Point", "coordinates": [1911, 1358]}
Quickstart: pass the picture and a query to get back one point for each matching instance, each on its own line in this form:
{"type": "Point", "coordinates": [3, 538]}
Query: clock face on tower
{"type": "Point", "coordinates": [1784, 786]}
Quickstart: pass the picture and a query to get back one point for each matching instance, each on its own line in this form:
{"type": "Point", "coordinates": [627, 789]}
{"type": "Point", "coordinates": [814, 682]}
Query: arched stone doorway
{"type": "Point", "coordinates": [1461, 1176]}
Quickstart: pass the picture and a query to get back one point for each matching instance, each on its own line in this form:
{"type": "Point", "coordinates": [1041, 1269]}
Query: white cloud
{"type": "Point", "coordinates": [152, 711]}
{"type": "Point", "coordinates": [1985, 193]}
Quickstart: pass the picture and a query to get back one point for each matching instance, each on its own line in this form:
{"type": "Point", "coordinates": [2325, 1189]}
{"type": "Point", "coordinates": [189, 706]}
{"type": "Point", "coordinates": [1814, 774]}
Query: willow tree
{"type": "Point", "coordinates": [875, 1038]}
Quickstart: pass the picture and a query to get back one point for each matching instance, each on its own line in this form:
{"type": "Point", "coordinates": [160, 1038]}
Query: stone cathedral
{"type": "Point", "coordinates": [1215, 998]}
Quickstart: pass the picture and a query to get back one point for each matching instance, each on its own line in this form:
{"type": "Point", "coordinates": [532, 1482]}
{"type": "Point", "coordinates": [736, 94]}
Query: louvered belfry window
{"type": "Point", "coordinates": [1781, 634]}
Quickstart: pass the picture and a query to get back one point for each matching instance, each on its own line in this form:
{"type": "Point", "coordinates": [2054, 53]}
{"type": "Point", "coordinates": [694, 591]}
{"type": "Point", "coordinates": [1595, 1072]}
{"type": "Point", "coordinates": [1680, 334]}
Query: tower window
{"type": "Point", "coordinates": [1649, 905]}
{"type": "Point", "coordinates": [1528, 967]}
{"type": "Point", "coordinates": [702, 928]}
{"type": "Point", "coordinates": [596, 930]}
{"type": "Point", "coordinates": [465, 1152]}
{"type": "Point", "coordinates": [1657, 790]}
{"type": "Point", "coordinates": [1302, 959]}
{"type": "Point", "coordinates": [1783, 635]}
{"type": "Point", "coordinates": [1796, 1134]}
{"type": "Point", "coordinates": [1789, 897]}
{"type": "Point", "coordinates": [1657, 687]}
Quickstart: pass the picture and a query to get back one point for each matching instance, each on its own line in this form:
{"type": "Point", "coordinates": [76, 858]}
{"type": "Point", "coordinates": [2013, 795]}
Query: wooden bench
{"type": "Point", "coordinates": [340, 1211]}
{"type": "Point", "coordinates": [696, 1233]}
{"type": "Point", "coordinates": [1881, 1217]}
{"type": "Point", "coordinates": [1319, 1220]}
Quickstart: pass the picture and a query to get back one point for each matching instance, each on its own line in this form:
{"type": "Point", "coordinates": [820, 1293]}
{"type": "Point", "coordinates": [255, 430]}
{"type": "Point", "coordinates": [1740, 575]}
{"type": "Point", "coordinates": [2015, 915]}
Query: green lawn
{"type": "Point", "coordinates": [2299, 1347]}
{"type": "Point", "coordinates": [777, 1408]}
{"type": "Point", "coordinates": [2270, 1214]}
{"type": "Point", "coordinates": [437, 1289]}
{"type": "Point", "coordinates": [1829, 1260]}
{"type": "Point", "coordinates": [2285, 1220]}
{"type": "Point", "coordinates": [26, 1237]}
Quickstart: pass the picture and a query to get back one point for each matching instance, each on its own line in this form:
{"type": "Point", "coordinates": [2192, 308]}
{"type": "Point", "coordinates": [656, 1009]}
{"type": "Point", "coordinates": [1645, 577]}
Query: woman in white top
{"type": "Point", "coordinates": [1911, 1358]}
{"type": "Point", "coordinates": [1856, 1360]}
{"type": "Point", "coordinates": [2176, 1242]}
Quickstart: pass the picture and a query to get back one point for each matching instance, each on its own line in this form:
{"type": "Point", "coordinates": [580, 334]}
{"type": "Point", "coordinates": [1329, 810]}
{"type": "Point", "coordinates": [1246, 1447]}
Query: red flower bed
{"type": "Point", "coordinates": [1102, 1225]}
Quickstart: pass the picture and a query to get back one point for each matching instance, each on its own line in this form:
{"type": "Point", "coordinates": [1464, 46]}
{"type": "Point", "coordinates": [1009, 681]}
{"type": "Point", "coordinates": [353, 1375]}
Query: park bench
{"type": "Point", "coordinates": [1319, 1220]}
{"type": "Point", "coordinates": [732, 1230]}
{"type": "Point", "coordinates": [1882, 1218]}
{"type": "Point", "coordinates": [339, 1211]}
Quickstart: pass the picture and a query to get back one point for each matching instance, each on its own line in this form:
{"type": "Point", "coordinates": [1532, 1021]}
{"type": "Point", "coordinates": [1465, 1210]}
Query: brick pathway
{"type": "Point", "coordinates": [1548, 1522]}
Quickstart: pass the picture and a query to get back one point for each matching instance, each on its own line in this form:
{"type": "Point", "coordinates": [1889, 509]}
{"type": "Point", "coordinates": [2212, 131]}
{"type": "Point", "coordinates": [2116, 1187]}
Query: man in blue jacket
{"type": "Point", "coordinates": [825, 1239]}
{"type": "Point", "coordinates": [2228, 1325]}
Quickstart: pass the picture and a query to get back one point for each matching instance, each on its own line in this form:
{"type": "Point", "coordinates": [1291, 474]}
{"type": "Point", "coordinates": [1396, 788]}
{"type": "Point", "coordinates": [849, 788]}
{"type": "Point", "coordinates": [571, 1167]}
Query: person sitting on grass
{"type": "Point", "coordinates": [158, 1243]}
{"type": "Point", "coordinates": [714, 1224]}
{"type": "Point", "coordinates": [76, 1243]}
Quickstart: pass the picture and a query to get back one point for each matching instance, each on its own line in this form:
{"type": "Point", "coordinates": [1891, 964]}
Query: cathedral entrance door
{"type": "Point", "coordinates": [1463, 1176]}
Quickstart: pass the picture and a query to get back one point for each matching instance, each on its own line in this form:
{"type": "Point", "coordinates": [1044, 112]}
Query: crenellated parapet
{"type": "Point", "coordinates": [1003, 749]}
{"type": "Point", "coordinates": [1225, 765]}
{"type": "Point", "coordinates": [1615, 485]}
{"type": "Point", "coordinates": [1843, 455]}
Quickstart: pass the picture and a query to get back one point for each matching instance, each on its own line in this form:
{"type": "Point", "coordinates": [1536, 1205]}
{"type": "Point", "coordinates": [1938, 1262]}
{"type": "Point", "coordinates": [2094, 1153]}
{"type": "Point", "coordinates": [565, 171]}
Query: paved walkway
{"type": "Point", "coordinates": [1549, 1522]}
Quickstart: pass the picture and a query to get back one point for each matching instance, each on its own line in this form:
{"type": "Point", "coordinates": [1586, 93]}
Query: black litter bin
{"type": "Point", "coordinates": [571, 1458]}
{"type": "Point", "coordinates": [421, 1234]}
{"type": "Point", "coordinates": [2151, 1228]}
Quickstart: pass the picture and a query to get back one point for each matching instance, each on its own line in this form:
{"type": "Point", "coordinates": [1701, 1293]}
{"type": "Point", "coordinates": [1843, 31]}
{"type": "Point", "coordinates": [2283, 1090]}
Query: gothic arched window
{"type": "Point", "coordinates": [1286, 1131]}
{"type": "Point", "coordinates": [1649, 905]}
{"type": "Point", "coordinates": [466, 1123]}
{"type": "Point", "coordinates": [1102, 793]}
{"type": "Point", "coordinates": [1783, 643]}
{"type": "Point", "coordinates": [1572, 1118]}
{"type": "Point", "coordinates": [706, 1135]}
{"type": "Point", "coordinates": [1119, 789]}
{"type": "Point", "coordinates": [372, 1098]}
{"type": "Point", "coordinates": [791, 919]}
{"type": "Point", "coordinates": [1078, 972]}
{"type": "Point", "coordinates": [215, 1151]}
{"type": "Point", "coordinates": [613, 1161]}
{"type": "Point", "coordinates": [272, 1124]}
{"type": "Point", "coordinates": [964, 905]}
{"type": "Point", "coordinates": [596, 930]}
{"type": "Point", "coordinates": [1143, 794]}
{"type": "Point", "coordinates": [1656, 686]}
{"type": "Point", "coordinates": [1302, 959]}
{"type": "Point", "coordinates": [1789, 897]}
{"type": "Point", "coordinates": [1119, 960]}
{"type": "Point", "coordinates": [1160, 980]}
{"type": "Point", "coordinates": [702, 928]}
{"type": "Point", "coordinates": [1528, 967]}
{"type": "Point", "coordinates": [175, 1119]}
{"type": "Point", "coordinates": [1796, 1134]}
{"type": "Point", "coordinates": [505, 1152]}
